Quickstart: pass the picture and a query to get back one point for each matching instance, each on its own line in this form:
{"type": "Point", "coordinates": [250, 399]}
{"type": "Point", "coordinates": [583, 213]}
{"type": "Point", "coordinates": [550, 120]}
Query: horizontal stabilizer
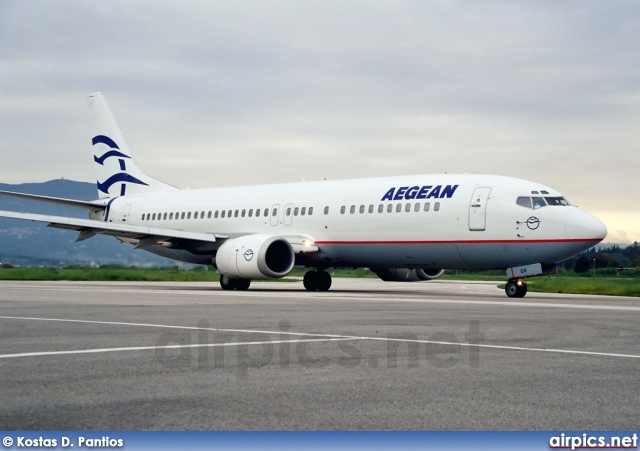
{"type": "Point", "coordinates": [89, 205]}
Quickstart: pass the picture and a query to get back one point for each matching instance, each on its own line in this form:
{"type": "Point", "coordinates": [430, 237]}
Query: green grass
{"type": "Point", "coordinates": [607, 282]}
{"type": "Point", "coordinates": [581, 285]}
{"type": "Point", "coordinates": [109, 273]}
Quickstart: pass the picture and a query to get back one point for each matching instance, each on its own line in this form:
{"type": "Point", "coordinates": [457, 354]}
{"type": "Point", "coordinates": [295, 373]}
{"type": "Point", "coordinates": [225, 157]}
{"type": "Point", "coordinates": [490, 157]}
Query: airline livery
{"type": "Point", "coordinates": [405, 229]}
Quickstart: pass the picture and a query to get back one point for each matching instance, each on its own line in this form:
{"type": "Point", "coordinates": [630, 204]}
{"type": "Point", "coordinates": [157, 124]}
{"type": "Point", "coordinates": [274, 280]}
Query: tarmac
{"type": "Point", "coordinates": [367, 355]}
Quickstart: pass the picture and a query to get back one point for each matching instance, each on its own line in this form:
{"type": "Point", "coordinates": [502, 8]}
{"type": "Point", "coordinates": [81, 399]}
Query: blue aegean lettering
{"type": "Point", "coordinates": [420, 192]}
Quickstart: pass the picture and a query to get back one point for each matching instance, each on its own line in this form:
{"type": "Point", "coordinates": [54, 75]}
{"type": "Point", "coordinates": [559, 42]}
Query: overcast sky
{"type": "Point", "coordinates": [213, 93]}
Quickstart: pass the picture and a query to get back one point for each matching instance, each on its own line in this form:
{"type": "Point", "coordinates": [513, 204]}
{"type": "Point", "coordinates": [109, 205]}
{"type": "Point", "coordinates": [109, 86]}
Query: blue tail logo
{"type": "Point", "coordinates": [121, 176]}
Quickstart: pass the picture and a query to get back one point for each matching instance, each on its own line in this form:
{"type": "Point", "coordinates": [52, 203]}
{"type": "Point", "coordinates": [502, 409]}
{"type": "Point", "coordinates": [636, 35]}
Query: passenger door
{"type": "Point", "coordinates": [125, 213]}
{"type": "Point", "coordinates": [478, 209]}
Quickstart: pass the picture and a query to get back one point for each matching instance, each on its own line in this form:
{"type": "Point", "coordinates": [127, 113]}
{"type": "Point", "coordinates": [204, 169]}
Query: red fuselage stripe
{"type": "Point", "coordinates": [561, 240]}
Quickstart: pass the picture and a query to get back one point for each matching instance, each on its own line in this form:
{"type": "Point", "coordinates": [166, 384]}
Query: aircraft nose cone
{"type": "Point", "coordinates": [587, 226]}
{"type": "Point", "coordinates": [598, 227]}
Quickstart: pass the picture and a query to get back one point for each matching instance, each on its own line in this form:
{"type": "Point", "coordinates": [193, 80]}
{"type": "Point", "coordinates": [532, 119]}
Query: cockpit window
{"type": "Point", "coordinates": [538, 202]}
{"type": "Point", "coordinates": [524, 202]}
{"type": "Point", "coordinates": [557, 201]}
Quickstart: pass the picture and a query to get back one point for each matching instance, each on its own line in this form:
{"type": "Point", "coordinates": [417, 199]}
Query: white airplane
{"type": "Point", "coordinates": [405, 229]}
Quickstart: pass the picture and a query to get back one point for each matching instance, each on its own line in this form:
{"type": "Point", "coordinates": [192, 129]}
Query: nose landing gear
{"type": "Point", "coordinates": [515, 288]}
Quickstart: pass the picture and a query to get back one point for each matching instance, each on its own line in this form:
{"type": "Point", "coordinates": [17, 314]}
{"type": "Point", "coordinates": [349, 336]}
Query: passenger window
{"type": "Point", "coordinates": [352, 210]}
{"type": "Point", "coordinates": [235, 215]}
{"type": "Point", "coordinates": [223, 213]}
{"type": "Point", "coordinates": [189, 215]}
{"type": "Point", "coordinates": [303, 211]}
{"type": "Point", "coordinates": [389, 208]}
{"type": "Point", "coordinates": [417, 207]}
{"type": "Point", "coordinates": [361, 209]}
{"type": "Point", "coordinates": [182, 215]}
{"type": "Point", "coordinates": [143, 215]}
{"type": "Point", "coordinates": [250, 212]}
{"type": "Point", "coordinates": [538, 202]}
{"type": "Point", "coordinates": [257, 213]}
{"type": "Point", "coordinates": [215, 215]}
{"type": "Point", "coordinates": [371, 208]}
{"type": "Point", "coordinates": [436, 206]}
{"type": "Point", "coordinates": [274, 212]}
{"type": "Point", "coordinates": [244, 212]}
{"type": "Point", "coordinates": [407, 208]}
{"type": "Point", "coordinates": [266, 212]}
{"type": "Point", "coordinates": [326, 210]}
{"type": "Point", "coordinates": [288, 213]}
{"type": "Point", "coordinates": [398, 208]}
{"type": "Point", "coordinates": [427, 206]}
{"type": "Point", "coordinates": [342, 210]}
{"type": "Point", "coordinates": [164, 217]}
{"type": "Point", "coordinates": [229, 213]}
{"type": "Point", "coordinates": [380, 208]}
{"type": "Point", "coordinates": [524, 201]}
{"type": "Point", "coordinates": [170, 215]}
{"type": "Point", "coordinates": [310, 211]}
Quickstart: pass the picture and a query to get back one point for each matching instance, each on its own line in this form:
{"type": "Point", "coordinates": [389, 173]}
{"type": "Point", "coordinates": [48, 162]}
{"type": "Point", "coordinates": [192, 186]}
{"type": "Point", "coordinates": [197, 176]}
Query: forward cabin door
{"type": "Point", "coordinates": [478, 209]}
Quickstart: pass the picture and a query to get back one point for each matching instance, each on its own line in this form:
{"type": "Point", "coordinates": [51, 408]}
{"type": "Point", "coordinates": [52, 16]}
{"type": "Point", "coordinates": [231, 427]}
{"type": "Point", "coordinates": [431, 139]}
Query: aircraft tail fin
{"type": "Point", "coordinates": [118, 174]}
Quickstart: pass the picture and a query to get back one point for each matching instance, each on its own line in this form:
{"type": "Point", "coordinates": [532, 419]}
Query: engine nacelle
{"type": "Point", "coordinates": [255, 257]}
{"type": "Point", "coordinates": [407, 274]}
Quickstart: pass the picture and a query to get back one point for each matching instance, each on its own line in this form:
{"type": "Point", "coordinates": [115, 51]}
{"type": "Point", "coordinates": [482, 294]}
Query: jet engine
{"type": "Point", "coordinates": [407, 274]}
{"type": "Point", "coordinates": [255, 257]}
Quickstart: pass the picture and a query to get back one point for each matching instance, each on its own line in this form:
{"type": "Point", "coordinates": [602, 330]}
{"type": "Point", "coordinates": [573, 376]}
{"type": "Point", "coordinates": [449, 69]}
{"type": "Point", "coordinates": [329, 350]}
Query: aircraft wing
{"type": "Point", "coordinates": [96, 205]}
{"type": "Point", "coordinates": [146, 236]}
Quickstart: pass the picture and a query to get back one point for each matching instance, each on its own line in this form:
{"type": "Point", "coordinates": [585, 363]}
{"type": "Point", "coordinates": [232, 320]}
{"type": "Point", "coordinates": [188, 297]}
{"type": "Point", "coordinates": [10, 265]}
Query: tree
{"type": "Point", "coordinates": [569, 263]}
{"type": "Point", "coordinates": [582, 265]}
{"type": "Point", "coordinates": [605, 260]}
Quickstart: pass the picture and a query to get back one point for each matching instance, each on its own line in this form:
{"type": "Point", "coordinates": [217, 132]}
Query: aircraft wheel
{"type": "Point", "coordinates": [242, 284]}
{"type": "Point", "coordinates": [324, 279]}
{"type": "Point", "coordinates": [522, 290]}
{"type": "Point", "coordinates": [311, 281]}
{"type": "Point", "coordinates": [226, 283]}
{"type": "Point", "coordinates": [515, 288]}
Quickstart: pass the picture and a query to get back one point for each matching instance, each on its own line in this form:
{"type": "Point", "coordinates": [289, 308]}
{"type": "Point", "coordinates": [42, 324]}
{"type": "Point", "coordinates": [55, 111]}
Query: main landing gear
{"type": "Point", "coordinates": [234, 284]}
{"type": "Point", "coordinates": [319, 280]}
{"type": "Point", "coordinates": [515, 288]}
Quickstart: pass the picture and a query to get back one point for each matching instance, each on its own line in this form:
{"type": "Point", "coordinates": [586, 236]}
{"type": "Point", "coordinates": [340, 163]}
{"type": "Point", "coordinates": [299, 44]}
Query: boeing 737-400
{"type": "Point", "coordinates": [405, 229]}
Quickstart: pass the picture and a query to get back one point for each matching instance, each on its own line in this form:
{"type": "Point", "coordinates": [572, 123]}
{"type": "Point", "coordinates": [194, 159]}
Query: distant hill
{"type": "Point", "coordinates": [27, 243]}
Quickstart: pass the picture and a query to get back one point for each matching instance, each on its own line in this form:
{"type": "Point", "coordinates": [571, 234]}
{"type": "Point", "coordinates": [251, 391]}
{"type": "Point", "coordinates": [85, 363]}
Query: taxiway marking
{"type": "Point", "coordinates": [321, 337]}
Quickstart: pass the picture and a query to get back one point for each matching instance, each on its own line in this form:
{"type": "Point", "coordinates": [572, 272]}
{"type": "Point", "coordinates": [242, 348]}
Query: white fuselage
{"type": "Point", "coordinates": [469, 222]}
